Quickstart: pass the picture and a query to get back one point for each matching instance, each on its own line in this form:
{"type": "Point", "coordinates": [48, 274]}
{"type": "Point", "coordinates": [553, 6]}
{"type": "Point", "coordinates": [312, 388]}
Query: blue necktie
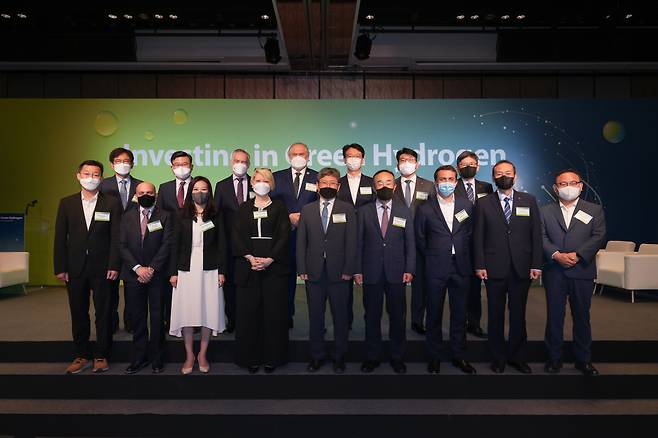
{"type": "Point", "coordinates": [469, 192]}
{"type": "Point", "coordinates": [325, 216]}
{"type": "Point", "coordinates": [508, 210]}
{"type": "Point", "coordinates": [123, 193]}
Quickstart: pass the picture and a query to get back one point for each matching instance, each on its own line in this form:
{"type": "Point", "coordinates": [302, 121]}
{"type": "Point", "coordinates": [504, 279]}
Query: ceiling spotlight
{"type": "Point", "coordinates": [272, 51]}
{"type": "Point", "coordinates": [127, 16]}
{"type": "Point", "coordinates": [461, 17]}
{"type": "Point", "coordinates": [19, 15]}
{"type": "Point", "coordinates": [173, 16]}
{"type": "Point", "coordinates": [475, 17]}
{"type": "Point", "coordinates": [504, 17]}
{"type": "Point", "coordinates": [112, 16]}
{"type": "Point", "coordinates": [629, 16]}
{"type": "Point", "coordinates": [362, 47]}
{"type": "Point", "coordinates": [5, 16]}
{"type": "Point", "coordinates": [158, 16]}
{"type": "Point", "coordinates": [369, 17]}
{"type": "Point", "coordinates": [264, 17]}
{"type": "Point", "coordinates": [520, 17]}
{"type": "Point", "coordinates": [608, 17]}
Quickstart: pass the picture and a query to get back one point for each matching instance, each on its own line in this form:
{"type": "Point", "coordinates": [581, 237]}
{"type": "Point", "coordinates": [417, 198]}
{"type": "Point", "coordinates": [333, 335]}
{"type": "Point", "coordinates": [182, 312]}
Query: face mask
{"type": "Point", "coordinates": [146, 201]}
{"type": "Point", "coordinates": [182, 172]}
{"type": "Point", "coordinates": [407, 168]}
{"type": "Point", "coordinates": [568, 193]}
{"type": "Point", "coordinates": [328, 192]}
{"type": "Point", "coordinates": [239, 169]}
{"type": "Point", "coordinates": [298, 162]}
{"type": "Point", "coordinates": [200, 197]}
{"type": "Point", "coordinates": [90, 184]}
{"type": "Point", "coordinates": [122, 169]}
{"type": "Point", "coordinates": [353, 163]}
{"type": "Point", "coordinates": [445, 189]}
{"type": "Point", "coordinates": [468, 172]}
{"type": "Point", "coordinates": [262, 188]}
{"type": "Point", "coordinates": [385, 194]}
{"type": "Point", "coordinates": [504, 182]}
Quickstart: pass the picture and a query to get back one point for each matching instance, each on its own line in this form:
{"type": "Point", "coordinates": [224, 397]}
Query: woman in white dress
{"type": "Point", "coordinates": [198, 262]}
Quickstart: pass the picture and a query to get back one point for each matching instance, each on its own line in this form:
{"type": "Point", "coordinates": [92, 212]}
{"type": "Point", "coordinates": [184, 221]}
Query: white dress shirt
{"type": "Point", "coordinates": [412, 185]}
{"type": "Point", "coordinates": [128, 180]}
{"type": "Point", "coordinates": [502, 197]}
{"type": "Point", "coordinates": [567, 212]}
{"type": "Point", "coordinates": [330, 207]}
{"type": "Point", "coordinates": [186, 187]}
{"type": "Point", "coordinates": [88, 206]}
{"type": "Point", "coordinates": [301, 178]}
{"type": "Point", "coordinates": [245, 189]}
{"type": "Point", "coordinates": [380, 210]}
{"type": "Point", "coordinates": [447, 206]}
{"type": "Point", "coordinates": [354, 182]}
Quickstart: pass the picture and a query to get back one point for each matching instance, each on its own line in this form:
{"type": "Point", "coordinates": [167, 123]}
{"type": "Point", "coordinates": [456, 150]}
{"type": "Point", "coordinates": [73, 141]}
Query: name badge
{"type": "Point", "coordinates": [311, 187]}
{"type": "Point", "coordinates": [481, 195]}
{"type": "Point", "coordinates": [365, 190]}
{"type": "Point", "coordinates": [583, 217]}
{"type": "Point", "coordinates": [102, 216]}
{"type": "Point", "coordinates": [252, 195]}
{"type": "Point", "coordinates": [207, 226]}
{"type": "Point", "coordinates": [523, 211]}
{"type": "Point", "coordinates": [399, 222]}
{"type": "Point", "coordinates": [339, 218]}
{"type": "Point", "coordinates": [461, 216]}
{"type": "Point", "coordinates": [422, 196]}
{"type": "Point", "coordinates": [262, 214]}
{"type": "Point", "coordinates": [154, 226]}
{"type": "Point", "coordinates": [134, 199]}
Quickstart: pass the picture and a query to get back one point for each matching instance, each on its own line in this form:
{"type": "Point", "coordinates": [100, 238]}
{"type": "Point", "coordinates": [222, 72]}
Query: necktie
{"type": "Point", "coordinates": [325, 216]}
{"type": "Point", "coordinates": [407, 192]}
{"type": "Point", "coordinates": [180, 196]}
{"type": "Point", "coordinates": [145, 221]}
{"type": "Point", "coordinates": [508, 210]}
{"type": "Point", "coordinates": [384, 224]}
{"type": "Point", "coordinates": [295, 184]}
{"type": "Point", "coordinates": [240, 192]}
{"type": "Point", "coordinates": [469, 192]}
{"type": "Point", "coordinates": [123, 193]}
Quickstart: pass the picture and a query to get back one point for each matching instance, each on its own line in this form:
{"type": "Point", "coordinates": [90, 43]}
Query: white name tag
{"type": "Point", "coordinates": [252, 195]}
{"type": "Point", "coordinates": [365, 190]}
{"type": "Point", "coordinates": [260, 214]}
{"type": "Point", "coordinates": [102, 216]}
{"type": "Point", "coordinates": [399, 222]}
{"type": "Point", "coordinates": [134, 199]}
{"type": "Point", "coordinates": [339, 218]}
{"type": "Point", "coordinates": [207, 226]}
{"type": "Point", "coordinates": [154, 226]}
{"type": "Point", "coordinates": [523, 211]}
{"type": "Point", "coordinates": [311, 187]}
{"type": "Point", "coordinates": [422, 196]}
{"type": "Point", "coordinates": [481, 195]}
{"type": "Point", "coordinates": [583, 217]}
{"type": "Point", "coordinates": [461, 216]}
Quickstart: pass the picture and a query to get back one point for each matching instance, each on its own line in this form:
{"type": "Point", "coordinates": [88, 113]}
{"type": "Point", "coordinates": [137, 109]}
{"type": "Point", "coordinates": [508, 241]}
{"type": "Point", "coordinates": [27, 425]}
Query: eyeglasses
{"type": "Point", "coordinates": [119, 161]}
{"type": "Point", "coordinates": [570, 183]}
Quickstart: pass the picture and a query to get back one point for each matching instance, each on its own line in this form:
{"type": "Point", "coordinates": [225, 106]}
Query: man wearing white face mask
{"type": "Point", "coordinates": [230, 194]}
{"type": "Point", "coordinates": [172, 194]}
{"type": "Point", "coordinates": [86, 258]}
{"type": "Point", "coordinates": [573, 230]}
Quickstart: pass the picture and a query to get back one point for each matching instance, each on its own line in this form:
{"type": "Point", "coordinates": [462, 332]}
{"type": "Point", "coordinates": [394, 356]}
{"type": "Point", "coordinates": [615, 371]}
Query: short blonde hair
{"type": "Point", "coordinates": [265, 173]}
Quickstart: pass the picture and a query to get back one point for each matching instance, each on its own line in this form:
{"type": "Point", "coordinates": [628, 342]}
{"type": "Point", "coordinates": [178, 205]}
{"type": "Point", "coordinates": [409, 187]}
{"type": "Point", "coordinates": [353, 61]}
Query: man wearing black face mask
{"type": "Point", "coordinates": [146, 235]}
{"type": "Point", "coordinates": [507, 256]}
{"type": "Point", "coordinates": [472, 189]}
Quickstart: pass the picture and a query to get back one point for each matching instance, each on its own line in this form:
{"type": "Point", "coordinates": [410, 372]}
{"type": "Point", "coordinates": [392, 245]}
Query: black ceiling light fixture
{"type": "Point", "coordinates": [362, 47]}
{"type": "Point", "coordinates": [272, 51]}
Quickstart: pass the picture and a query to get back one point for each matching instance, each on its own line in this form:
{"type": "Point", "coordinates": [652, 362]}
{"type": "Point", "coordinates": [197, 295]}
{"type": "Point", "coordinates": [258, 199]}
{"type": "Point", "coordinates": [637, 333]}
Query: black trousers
{"type": "Point", "coordinates": [373, 300]}
{"type": "Point", "coordinates": [418, 292]}
{"type": "Point", "coordinates": [474, 301]}
{"type": "Point", "coordinates": [115, 306]}
{"type": "Point", "coordinates": [262, 320]}
{"type": "Point", "coordinates": [512, 291]}
{"type": "Point", "coordinates": [79, 290]}
{"type": "Point", "coordinates": [147, 300]}
{"type": "Point", "coordinates": [229, 300]}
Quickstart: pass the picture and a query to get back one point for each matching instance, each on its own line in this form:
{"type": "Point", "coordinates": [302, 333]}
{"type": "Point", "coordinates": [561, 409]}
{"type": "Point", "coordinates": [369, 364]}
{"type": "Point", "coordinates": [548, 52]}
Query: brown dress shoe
{"type": "Point", "coordinates": [78, 365]}
{"type": "Point", "coordinates": [100, 365]}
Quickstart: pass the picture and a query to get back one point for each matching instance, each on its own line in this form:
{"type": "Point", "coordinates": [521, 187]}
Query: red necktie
{"type": "Point", "coordinates": [384, 220]}
{"type": "Point", "coordinates": [144, 223]}
{"type": "Point", "coordinates": [181, 194]}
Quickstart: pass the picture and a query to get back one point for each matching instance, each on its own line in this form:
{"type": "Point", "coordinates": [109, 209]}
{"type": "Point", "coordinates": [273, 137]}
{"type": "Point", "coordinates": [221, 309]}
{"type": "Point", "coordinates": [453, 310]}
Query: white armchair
{"type": "Point", "coordinates": [631, 271]}
{"type": "Point", "coordinates": [610, 263]}
{"type": "Point", "coordinates": [14, 268]}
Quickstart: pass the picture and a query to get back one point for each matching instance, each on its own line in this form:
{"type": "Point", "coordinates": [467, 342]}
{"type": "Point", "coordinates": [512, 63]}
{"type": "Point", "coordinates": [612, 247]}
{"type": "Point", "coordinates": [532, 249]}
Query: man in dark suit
{"type": "Point", "coordinates": [573, 230]}
{"type": "Point", "coordinates": [508, 255]}
{"type": "Point", "coordinates": [172, 194]}
{"type": "Point", "coordinates": [472, 189]}
{"type": "Point", "coordinates": [296, 187]}
{"type": "Point", "coordinates": [414, 191]}
{"type": "Point", "coordinates": [230, 193]}
{"type": "Point", "coordinates": [86, 257]}
{"type": "Point", "coordinates": [444, 226]}
{"type": "Point", "coordinates": [326, 256]}
{"type": "Point", "coordinates": [146, 234]}
{"type": "Point", "coordinates": [355, 188]}
{"type": "Point", "coordinates": [386, 261]}
{"type": "Point", "coordinates": [121, 186]}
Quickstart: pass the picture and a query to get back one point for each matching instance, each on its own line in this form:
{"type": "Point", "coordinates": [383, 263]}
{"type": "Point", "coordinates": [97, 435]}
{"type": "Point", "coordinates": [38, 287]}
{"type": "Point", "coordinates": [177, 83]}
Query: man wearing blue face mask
{"type": "Point", "coordinates": [443, 227]}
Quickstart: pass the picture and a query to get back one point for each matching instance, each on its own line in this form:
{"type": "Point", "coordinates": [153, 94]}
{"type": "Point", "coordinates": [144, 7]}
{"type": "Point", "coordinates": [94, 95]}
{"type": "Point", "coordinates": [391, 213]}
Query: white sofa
{"type": "Point", "coordinates": [14, 268]}
{"type": "Point", "coordinates": [629, 270]}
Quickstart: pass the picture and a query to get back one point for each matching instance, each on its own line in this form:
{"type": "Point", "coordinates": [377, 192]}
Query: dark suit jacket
{"type": "Point", "coordinates": [167, 195]}
{"type": "Point", "coordinates": [389, 256]}
{"type": "Point", "coordinates": [75, 247]}
{"type": "Point", "coordinates": [481, 187]}
{"type": "Point", "coordinates": [285, 192]}
{"type": "Point", "coordinates": [345, 195]}
{"type": "Point", "coordinates": [339, 244]}
{"type": "Point", "coordinates": [214, 245]}
{"type": "Point", "coordinates": [422, 185]}
{"type": "Point", "coordinates": [109, 186]}
{"type": "Point", "coordinates": [583, 239]}
{"type": "Point", "coordinates": [154, 251]}
{"type": "Point", "coordinates": [500, 247]}
{"type": "Point", "coordinates": [435, 240]}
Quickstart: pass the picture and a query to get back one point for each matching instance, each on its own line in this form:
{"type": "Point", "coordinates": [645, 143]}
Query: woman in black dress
{"type": "Point", "coordinates": [260, 248]}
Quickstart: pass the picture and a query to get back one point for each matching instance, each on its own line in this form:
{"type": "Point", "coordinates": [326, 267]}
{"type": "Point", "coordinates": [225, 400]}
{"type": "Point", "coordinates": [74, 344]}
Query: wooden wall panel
{"type": "Point", "coordinates": [64, 85]}
{"type": "Point", "coordinates": [501, 87]}
{"type": "Point", "coordinates": [297, 87]}
{"type": "Point", "coordinates": [612, 87]}
{"type": "Point", "coordinates": [24, 85]}
{"type": "Point", "coordinates": [341, 87]}
{"type": "Point", "coordinates": [176, 86]}
{"type": "Point", "coordinates": [538, 87]}
{"type": "Point", "coordinates": [462, 87]}
{"type": "Point", "coordinates": [136, 85]}
{"type": "Point", "coordinates": [210, 86]}
{"type": "Point", "coordinates": [575, 87]}
{"type": "Point", "coordinates": [428, 87]}
{"type": "Point", "coordinates": [644, 86]}
{"type": "Point", "coordinates": [389, 87]}
{"type": "Point", "coordinates": [100, 85]}
{"type": "Point", "coordinates": [249, 87]}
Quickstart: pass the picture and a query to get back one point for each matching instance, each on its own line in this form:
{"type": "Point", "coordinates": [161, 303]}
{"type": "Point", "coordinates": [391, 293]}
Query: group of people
{"type": "Point", "coordinates": [193, 260]}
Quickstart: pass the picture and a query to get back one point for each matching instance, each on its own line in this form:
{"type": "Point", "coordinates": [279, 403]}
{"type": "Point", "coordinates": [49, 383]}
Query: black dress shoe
{"type": "Point", "coordinates": [339, 366]}
{"type": "Point", "coordinates": [552, 367]}
{"type": "Point", "coordinates": [269, 369]}
{"type": "Point", "coordinates": [418, 328]}
{"type": "Point", "coordinates": [587, 368]}
{"type": "Point", "coordinates": [369, 366]}
{"type": "Point", "coordinates": [434, 366]}
{"type": "Point", "coordinates": [463, 366]}
{"type": "Point", "coordinates": [398, 367]}
{"type": "Point", "coordinates": [476, 331]}
{"type": "Point", "coordinates": [498, 367]}
{"type": "Point", "coordinates": [136, 367]}
{"type": "Point", "coordinates": [230, 327]}
{"type": "Point", "coordinates": [521, 367]}
{"type": "Point", "coordinates": [253, 369]}
{"type": "Point", "coordinates": [157, 367]}
{"type": "Point", "coordinates": [314, 365]}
